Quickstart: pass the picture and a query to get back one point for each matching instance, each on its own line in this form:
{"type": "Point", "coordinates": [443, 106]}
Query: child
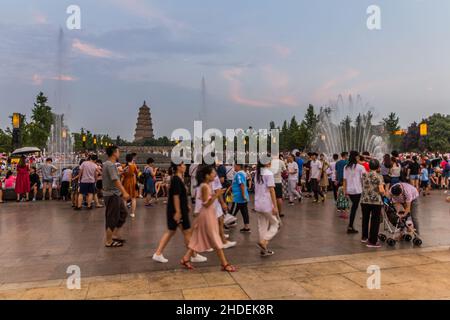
{"type": "Point", "coordinates": [424, 181]}
{"type": "Point", "coordinates": [342, 203]}
{"type": "Point", "coordinates": [35, 182]}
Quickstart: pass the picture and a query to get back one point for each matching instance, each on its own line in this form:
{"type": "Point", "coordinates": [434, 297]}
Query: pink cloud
{"type": "Point", "coordinates": [276, 81]}
{"type": "Point", "coordinates": [335, 86]}
{"type": "Point", "coordinates": [38, 79]}
{"type": "Point", "coordinates": [39, 18]}
{"type": "Point", "coordinates": [282, 50]}
{"type": "Point", "coordinates": [91, 50]}
{"type": "Point", "coordinates": [232, 75]}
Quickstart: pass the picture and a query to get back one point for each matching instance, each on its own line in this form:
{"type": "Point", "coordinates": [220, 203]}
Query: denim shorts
{"type": "Point", "coordinates": [414, 177]}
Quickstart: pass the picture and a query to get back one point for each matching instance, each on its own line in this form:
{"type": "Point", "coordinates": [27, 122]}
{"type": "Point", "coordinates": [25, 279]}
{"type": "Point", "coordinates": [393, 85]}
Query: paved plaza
{"type": "Point", "coordinates": [314, 257]}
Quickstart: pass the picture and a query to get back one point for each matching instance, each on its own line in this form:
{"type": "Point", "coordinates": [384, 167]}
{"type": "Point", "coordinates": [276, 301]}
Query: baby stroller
{"type": "Point", "coordinates": [398, 226]}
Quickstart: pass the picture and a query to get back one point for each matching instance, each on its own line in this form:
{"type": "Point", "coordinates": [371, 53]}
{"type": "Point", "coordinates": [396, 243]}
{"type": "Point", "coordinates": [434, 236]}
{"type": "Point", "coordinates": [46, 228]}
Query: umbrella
{"type": "Point", "coordinates": [25, 150]}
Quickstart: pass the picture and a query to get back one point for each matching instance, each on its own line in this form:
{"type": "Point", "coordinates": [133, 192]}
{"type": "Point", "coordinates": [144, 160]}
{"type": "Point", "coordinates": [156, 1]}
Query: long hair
{"type": "Point", "coordinates": [352, 159]}
{"type": "Point", "coordinates": [22, 162]}
{"type": "Point", "coordinates": [387, 161]}
{"type": "Point", "coordinates": [258, 174]}
{"type": "Point", "coordinates": [202, 172]}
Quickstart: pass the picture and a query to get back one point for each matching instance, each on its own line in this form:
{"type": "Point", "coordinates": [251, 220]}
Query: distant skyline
{"type": "Point", "coordinates": [263, 60]}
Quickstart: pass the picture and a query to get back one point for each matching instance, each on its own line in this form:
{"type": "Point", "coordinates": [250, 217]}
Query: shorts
{"type": "Point", "coordinates": [87, 188]}
{"type": "Point", "coordinates": [424, 184]}
{"type": "Point", "coordinates": [279, 190]}
{"type": "Point", "coordinates": [47, 181]}
{"type": "Point", "coordinates": [414, 177]}
{"type": "Point", "coordinates": [387, 179]}
{"type": "Point", "coordinates": [115, 212]}
{"type": "Point", "coordinates": [172, 225]}
{"type": "Point", "coordinates": [99, 185]}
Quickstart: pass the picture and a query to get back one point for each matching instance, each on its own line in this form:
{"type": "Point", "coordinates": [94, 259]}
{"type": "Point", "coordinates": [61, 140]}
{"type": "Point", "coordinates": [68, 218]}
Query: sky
{"type": "Point", "coordinates": [262, 60]}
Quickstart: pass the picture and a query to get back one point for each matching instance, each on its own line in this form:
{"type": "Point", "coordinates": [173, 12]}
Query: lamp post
{"type": "Point", "coordinates": [95, 143]}
{"type": "Point", "coordinates": [16, 134]}
{"type": "Point", "coordinates": [423, 129]}
{"type": "Point", "coordinates": [83, 139]}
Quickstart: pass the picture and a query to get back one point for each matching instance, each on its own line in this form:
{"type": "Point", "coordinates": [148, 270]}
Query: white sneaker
{"type": "Point", "coordinates": [229, 244]}
{"type": "Point", "coordinates": [227, 236]}
{"type": "Point", "coordinates": [132, 215]}
{"type": "Point", "coordinates": [229, 218]}
{"type": "Point", "coordinates": [159, 258]}
{"type": "Point", "coordinates": [199, 258]}
{"type": "Point", "coordinates": [210, 250]}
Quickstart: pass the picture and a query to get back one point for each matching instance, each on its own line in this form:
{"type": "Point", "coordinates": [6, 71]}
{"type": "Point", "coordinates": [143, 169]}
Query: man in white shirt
{"type": "Point", "coordinates": [314, 177]}
{"type": "Point", "coordinates": [292, 168]}
{"type": "Point", "coordinates": [277, 167]}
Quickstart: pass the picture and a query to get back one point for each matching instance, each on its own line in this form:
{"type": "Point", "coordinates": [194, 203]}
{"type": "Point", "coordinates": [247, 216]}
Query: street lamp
{"type": "Point", "coordinates": [83, 139]}
{"type": "Point", "coordinates": [423, 129]}
{"type": "Point", "coordinates": [16, 119]}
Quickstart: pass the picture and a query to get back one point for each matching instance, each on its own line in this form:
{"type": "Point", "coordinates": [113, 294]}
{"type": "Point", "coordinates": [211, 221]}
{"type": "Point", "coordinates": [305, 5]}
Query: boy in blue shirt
{"type": "Point", "coordinates": [240, 196]}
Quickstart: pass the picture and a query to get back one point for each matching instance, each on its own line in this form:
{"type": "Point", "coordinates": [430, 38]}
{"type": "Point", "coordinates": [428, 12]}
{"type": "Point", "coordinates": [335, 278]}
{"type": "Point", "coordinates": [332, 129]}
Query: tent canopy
{"type": "Point", "coordinates": [25, 150]}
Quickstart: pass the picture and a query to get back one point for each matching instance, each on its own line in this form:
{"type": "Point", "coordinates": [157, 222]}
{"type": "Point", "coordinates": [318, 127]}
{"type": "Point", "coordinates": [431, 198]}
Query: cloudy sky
{"type": "Point", "coordinates": [262, 60]}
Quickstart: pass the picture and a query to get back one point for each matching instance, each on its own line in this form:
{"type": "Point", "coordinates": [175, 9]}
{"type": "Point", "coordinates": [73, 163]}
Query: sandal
{"type": "Point", "coordinates": [187, 264]}
{"type": "Point", "coordinates": [229, 268]}
{"type": "Point", "coordinates": [114, 244]}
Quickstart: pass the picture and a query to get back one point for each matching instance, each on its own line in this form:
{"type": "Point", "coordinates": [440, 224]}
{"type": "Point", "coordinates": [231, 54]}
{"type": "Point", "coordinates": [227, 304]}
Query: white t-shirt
{"type": "Point", "coordinates": [66, 175]}
{"type": "Point", "coordinates": [216, 185]}
{"type": "Point", "coordinates": [277, 167]}
{"type": "Point", "coordinates": [333, 171]}
{"type": "Point", "coordinates": [293, 171]}
{"type": "Point", "coordinates": [263, 200]}
{"type": "Point", "coordinates": [316, 169]}
{"type": "Point", "coordinates": [353, 177]}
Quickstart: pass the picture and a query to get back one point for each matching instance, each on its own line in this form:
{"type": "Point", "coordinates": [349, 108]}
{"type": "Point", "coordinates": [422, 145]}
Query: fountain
{"type": "Point", "coordinates": [60, 145]}
{"type": "Point", "coordinates": [348, 125]}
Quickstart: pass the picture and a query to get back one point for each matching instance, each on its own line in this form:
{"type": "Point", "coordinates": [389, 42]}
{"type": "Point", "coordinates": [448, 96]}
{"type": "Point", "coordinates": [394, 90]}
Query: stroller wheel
{"type": "Point", "coordinates": [407, 237]}
{"type": "Point", "coordinates": [417, 242]}
{"type": "Point", "coordinates": [391, 242]}
{"type": "Point", "coordinates": [382, 237]}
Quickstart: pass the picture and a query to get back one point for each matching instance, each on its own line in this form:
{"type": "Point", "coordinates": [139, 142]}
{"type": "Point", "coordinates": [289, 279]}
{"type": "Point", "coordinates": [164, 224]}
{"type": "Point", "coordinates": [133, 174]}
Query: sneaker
{"type": "Point", "coordinates": [210, 250]}
{"type": "Point", "coordinates": [199, 258]}
{"type": "Point", "coordinates": [229, 219]}
{"type": "Point", "coordinates": [34, 200]}
{"type": "Point", "coordinates": [132, 215]}
{"type": "Point", "coordinates": [159, 258]}
{"type": "Point", "coordinates": [231, 225]}
{"type": "Point", "coordinates": [229, 244]}
{"type": "Point", "coordinates": [364, 240]}
{"type": "Point", "coordinates": [227, 236]}
{"type": "Point", "coordinates": [352, 231]}
{"type": "Point", "coordinates": [291, 203]}
{"type": "Point", "coordinates": [371, 245]}
{"type": "Point", "coordinates": [267, 253]}
{"type": "Point", "coordinates": [246, 230]}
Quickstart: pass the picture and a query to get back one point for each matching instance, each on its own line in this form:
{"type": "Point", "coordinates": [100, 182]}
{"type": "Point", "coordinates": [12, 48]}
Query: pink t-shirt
{"type": "Point", "coordinates": [89, 172]}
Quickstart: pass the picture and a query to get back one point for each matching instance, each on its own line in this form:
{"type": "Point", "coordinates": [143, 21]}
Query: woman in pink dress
{"type": "Point", "coordinates": [205, 234]}
{"type": "Point", "coordinates": [23, 179]}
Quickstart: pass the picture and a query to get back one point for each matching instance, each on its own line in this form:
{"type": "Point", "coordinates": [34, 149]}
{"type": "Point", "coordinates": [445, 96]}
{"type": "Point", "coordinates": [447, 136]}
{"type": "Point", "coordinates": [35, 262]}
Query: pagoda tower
{"type": "Point", "coordinates": [144, 126]}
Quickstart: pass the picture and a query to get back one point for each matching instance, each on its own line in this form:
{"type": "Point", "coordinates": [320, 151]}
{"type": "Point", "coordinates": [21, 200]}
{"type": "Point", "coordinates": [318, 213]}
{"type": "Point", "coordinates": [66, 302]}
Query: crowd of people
{"type": "Point", "coordinates": [213, 195]}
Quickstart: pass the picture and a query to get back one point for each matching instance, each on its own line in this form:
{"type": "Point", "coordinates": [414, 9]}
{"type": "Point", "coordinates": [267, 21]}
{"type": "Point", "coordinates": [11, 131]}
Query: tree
{"type": "Point", "coordinates": [411, 139]}
{"type": "Point", "coordinates": [38, 130]}
{"type": "Point", "coordinates": [438, 137]}
{"type": "Point", "coordinates": [391, 125]}
{"type": "Point", "coordinates": [5, 141]}
{"type": "Point", "coordinates": [310, 125]}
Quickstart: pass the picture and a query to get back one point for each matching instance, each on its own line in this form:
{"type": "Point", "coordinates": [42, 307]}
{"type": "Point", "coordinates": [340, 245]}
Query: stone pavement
{"type": "Point", "coordinates": [405, 274]}
{"type": "Point", "coordinates": [38, 241]}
